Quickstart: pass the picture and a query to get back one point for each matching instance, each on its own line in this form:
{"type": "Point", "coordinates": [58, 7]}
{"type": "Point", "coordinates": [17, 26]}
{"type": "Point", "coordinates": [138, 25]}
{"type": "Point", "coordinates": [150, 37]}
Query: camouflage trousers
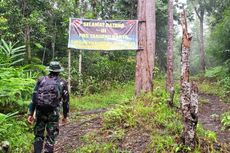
{"type": "Point", "coordinates": [46, 130]}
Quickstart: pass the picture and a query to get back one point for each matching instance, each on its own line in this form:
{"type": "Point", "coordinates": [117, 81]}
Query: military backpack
{"type": "Point", "coordinates": [49, 93]}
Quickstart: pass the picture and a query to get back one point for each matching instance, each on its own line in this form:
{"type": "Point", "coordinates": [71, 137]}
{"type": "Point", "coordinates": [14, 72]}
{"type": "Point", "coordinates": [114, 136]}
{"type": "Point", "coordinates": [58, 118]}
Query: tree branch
{"type": "Point", "coordinates": [197, 13]}
{"type": "Point", "coordinates": [196, 10]}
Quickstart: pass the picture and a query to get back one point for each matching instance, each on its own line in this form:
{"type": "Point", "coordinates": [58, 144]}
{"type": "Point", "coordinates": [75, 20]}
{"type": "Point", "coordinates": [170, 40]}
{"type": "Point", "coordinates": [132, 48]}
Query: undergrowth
{"type": "Point", "coordinates": [164, 124]}
{"type": "Point", "coordinates": [225, 120]}
{"type": "Point", "coordinates": [216, 82]}
{"type": "Point", "coordinates": [16, 133]}
{"type": "Point", "coordinates": [15, 89]}
{"type": "Point", "coordinates": [116, 95]}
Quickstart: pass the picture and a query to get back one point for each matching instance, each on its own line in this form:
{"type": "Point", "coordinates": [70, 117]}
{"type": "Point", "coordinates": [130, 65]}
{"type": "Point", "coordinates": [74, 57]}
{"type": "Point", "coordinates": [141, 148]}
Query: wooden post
{"type": "Point", "coordinates": [189, 92]}
{"type": "Point", "coordinates": [81, 7]}
{"type": "Point", "coordinates": [69, 70]}
{"type": "Point", "coordinates": [80, 69]}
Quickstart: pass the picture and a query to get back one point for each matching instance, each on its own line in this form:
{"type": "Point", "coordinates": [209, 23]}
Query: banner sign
{"type": "Point", "coordinates": [89, 34]}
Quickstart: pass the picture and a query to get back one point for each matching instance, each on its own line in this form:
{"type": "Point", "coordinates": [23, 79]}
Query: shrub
{"type": "Point", "coordinates": [16, 133]}
{"type": "Point", "coordinates": [119, 117]}
{"type": "Point", "coordinates": [225, 120]}
{"type": "Point", "coordinates": [15, 89]}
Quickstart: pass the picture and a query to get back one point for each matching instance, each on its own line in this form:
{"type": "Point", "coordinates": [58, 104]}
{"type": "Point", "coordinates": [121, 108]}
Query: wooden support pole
{"type": "Point", "coordinates": [69, 70]}
{"type": "Point", "coordinates": [80, 69]}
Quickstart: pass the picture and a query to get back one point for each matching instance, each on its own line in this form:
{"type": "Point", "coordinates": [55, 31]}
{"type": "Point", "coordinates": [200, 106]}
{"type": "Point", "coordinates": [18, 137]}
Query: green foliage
{"type": "Point", "coordinates": [219, 41]}
{"type": "Point", "coordinates": [16, 132]}
{"type": "Point", "coordinates": [125, 9]}
{"type": "Point", "coordinates": [217, 82]}
{"type": "Point", "coordinates": [3, 24]}
{"type": "Point", "coordinates": [15, 88]}
{"type": "Point", "coordinates": [211, 135]}
{"type": "Point", "coordinates": [116, 95]}
{"type": "Point", "coordinates": [97, 147]}
{"type": "Point", "coordinates": [216, 72]}
{"type": "Point", "coordinates": [94, 144]}
{"type": "Point", "coordinates": [210, 88]}
{"type": "Point", "coordinates": [225, 84]}
{"type": "Point", "coordinates": [151, 112]}
{"type": "Point", "coordinates": [106, 70]}
{"type": "Point", "coordinates": [9, 54]}
{"type": "Point", "coordinates": [119, 117]}
{"type": "Point", "coordinates": [161, 143]}
{"type": "Point", "coordinates": [225, 120]}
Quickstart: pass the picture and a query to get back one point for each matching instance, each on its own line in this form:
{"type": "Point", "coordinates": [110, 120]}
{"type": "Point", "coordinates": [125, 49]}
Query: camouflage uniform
{"type": "Point", "coordinates": [48, 119]}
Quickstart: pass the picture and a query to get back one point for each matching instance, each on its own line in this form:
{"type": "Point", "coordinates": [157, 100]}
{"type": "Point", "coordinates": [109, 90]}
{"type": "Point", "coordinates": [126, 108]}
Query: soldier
{"type": "Point", "coordinates": [49, 93]}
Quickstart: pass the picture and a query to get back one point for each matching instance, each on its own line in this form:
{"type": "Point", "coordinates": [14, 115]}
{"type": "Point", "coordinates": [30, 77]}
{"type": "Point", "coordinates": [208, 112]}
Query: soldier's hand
{"type": "Point", "coordinates": [30, 119]}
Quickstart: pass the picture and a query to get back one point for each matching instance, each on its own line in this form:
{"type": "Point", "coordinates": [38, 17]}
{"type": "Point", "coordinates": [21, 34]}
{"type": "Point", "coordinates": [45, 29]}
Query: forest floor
{"type": "Point", "coordinates": [87, 128]}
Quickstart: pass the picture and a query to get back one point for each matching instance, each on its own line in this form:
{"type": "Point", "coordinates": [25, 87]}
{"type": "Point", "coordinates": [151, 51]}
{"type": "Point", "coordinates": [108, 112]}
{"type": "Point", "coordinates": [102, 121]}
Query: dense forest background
{"type": "Point", "coordinates": [35, 32]}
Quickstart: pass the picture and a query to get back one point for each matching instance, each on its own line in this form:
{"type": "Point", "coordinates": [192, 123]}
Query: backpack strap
{"type": "Point", "coordinates": [59, 87]}
{"type": "Point", "coordinates": [43, 79]}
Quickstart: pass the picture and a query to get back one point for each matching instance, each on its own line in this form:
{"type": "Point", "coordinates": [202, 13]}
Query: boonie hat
{"type": "Point", "coordinates": [55, 67]}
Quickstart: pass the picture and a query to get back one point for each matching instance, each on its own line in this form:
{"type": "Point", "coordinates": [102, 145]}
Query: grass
{"type": "Point", "coordinates": [210, 88]}
{"type": "Point", "coordinates": [117, 95]}
{"type": "Point", "coordinates": [151, 113]}
{"type": "Point", "coordinates": [225, 120]}
{"type": "Point", "coordinates": [214, 88]}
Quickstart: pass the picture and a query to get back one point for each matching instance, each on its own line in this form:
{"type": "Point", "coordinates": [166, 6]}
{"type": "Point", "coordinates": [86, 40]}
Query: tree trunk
{"type": "Point", "coordinates": [27, 42]}
{"type": "Point", "coordinates": [43, 56]}
{"type": "Point", "coordinates": [27, 31]}
{"type": "Point", "coordinates": [202, 52]}
{"type": "Point", "coordinates": [151, 34]}
{"type": "Point", "coordinates": [169, 77]}
{"type": "Point", "coordinates": [146, 52]}
{"type": "Point", "coordinates": [189, 92]}
{"type": "Point", "coordinates": [200, 15]}
{"type": "Point", "coordinates": [53, 44]}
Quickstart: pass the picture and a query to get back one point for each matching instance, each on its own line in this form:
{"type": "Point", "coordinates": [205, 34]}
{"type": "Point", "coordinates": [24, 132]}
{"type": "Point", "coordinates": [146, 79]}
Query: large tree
{"type": "Point", "coordinates": [146, 53]}
{"type": "Point", "coordinates": [203, 8]}
{"type": "Point", "coordinates": [200, 10]}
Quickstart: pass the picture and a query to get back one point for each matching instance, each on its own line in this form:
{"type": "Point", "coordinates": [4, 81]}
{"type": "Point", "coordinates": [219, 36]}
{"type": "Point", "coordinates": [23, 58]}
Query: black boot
{"type": "Point", "coordinates": [48, 148]}
{"type": "Point", "coordinates": [38, 145]}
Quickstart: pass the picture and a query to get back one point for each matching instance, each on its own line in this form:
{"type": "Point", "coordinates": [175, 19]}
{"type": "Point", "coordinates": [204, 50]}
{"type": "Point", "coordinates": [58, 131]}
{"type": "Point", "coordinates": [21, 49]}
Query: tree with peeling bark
{"type": "Point", "coordinates": [169, 76]}
{"type": "Point", "coordinates": [146, 53]}
{"type": "Point", "coordinates": [189, 91]}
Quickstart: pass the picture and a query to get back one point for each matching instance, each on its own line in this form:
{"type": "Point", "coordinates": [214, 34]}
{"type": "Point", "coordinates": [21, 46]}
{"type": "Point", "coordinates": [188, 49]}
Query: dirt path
{"type": "Point", "coordinates": [71, 134]}
{"type": "Point", "coordinates": [89, 124]}
{"type": "Point", "coordinates": [209, 116]}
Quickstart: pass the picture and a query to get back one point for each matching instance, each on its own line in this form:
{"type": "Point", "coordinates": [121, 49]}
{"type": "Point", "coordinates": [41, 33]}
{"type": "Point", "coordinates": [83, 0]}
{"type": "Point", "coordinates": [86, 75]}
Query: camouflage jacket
{"type": "Point", "coordinates": [64, 100]}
